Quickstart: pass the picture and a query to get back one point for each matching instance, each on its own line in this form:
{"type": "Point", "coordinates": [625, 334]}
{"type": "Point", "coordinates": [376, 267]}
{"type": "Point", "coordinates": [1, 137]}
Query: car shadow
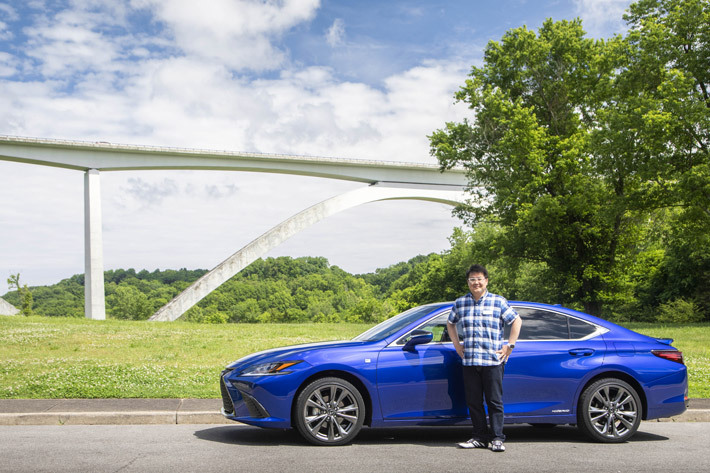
{"type": "Point", "coordinates": [424, 436]}
{"type": "Point", "coordinates": [249, 435]}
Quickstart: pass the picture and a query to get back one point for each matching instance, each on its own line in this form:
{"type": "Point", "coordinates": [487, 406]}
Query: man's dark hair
{"type": "Point", "coordinates": [477, 268]}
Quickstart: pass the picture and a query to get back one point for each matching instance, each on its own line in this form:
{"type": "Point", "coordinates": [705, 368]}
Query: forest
{"type": "Point", "coordinates": [588, 162]}
{"type": "Point", "coordinates": [309, 289]}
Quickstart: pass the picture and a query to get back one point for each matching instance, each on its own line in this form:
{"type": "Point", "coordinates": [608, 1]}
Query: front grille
{"type": "Point", "coordinates": [226, 399]}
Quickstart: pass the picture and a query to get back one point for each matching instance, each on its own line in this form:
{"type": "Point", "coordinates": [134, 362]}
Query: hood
{"type": "Point", "coordinates": [290, 352]}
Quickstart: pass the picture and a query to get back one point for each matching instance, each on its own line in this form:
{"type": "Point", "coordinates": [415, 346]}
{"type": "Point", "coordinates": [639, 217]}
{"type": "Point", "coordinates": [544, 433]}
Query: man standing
{"type": "Point", "coordinates": [483, 316]}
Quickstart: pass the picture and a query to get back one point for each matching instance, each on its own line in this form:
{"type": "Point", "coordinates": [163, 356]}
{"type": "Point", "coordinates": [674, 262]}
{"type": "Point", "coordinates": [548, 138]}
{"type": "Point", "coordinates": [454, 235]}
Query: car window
{"type": "Point", "coordinates": [543, 325]}
{"type": "Point", "coordinates": [437, 326]}
{"type": "Point", "coordinates": [539, 324]}
{"type": "Point", "coordinates": [579, 328]}
{"type": "Point", "coordinates": [396, 323]}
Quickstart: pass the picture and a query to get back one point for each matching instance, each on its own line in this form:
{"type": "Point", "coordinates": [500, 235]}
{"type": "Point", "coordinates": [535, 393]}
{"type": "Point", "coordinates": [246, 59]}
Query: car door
{"type": "Point", "coordinates": [553, 354]}
{"type": "Point", "coordinates": [423, 382]}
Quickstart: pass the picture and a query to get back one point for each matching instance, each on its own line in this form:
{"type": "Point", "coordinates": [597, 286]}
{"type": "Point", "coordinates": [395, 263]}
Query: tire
{"type": "Point", "coordinates": [609, 411]}
{"type": "Point", "coordinates": [329, 412]}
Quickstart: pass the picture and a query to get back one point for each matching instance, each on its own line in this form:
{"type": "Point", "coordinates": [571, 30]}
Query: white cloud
{"type": "Point", "coordinates": [77, 40]}
{"type": "Point", "coordinates": [237, 33]}
{"type": "Point", "coordinates": [8, 12]}
{"type": "Point", "coordinates": [602, 18]}
{"type": "Point", "coordinates": [335, 36]}
{"type": "Point", "coordinates": [8, 64]}
{"type": "Point", "coordinates": [190, 103]}
{"type": "Point", "coordinates": [356, 120]}
{"type": "Point", "coordinates": [5, 34]}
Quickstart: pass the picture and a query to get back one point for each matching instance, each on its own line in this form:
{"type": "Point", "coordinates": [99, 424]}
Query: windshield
{"type": "Point", "coordinates": [396, 323]}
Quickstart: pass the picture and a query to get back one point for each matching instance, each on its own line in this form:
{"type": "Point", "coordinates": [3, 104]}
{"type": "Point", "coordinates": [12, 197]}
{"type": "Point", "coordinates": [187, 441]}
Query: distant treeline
{"type": "Point", "coordinates": [309, 289]}
{"type": "Point", "coordinates": [280, 289]}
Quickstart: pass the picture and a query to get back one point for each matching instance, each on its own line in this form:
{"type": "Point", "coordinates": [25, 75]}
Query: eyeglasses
{"type": "Point", "coordinates": [476, 279]}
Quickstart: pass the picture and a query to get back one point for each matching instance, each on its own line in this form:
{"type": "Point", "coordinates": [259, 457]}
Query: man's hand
{"type": "Point", "coordinates": [504, 353]}
{"type": "Point", "coordinates": [459, 349]}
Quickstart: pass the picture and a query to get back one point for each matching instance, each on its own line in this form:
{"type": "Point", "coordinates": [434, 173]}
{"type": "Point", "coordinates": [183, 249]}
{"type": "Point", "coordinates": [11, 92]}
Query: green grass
{"type": "Point", "coordinates": [43, 357]}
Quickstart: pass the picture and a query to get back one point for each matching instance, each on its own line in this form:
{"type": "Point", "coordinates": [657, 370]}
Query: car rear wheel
{"type": "Point", "coordinates": [609, 411]}
{"type": "Point", "coordinates": [329, 411]}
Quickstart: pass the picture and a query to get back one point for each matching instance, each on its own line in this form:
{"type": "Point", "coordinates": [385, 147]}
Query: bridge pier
{"type": "Point", "coordinates": [94, 298]}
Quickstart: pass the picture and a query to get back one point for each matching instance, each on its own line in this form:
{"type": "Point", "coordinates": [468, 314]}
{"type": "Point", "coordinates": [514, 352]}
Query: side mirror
{"type": "Point", "coordinates": [419, 337]}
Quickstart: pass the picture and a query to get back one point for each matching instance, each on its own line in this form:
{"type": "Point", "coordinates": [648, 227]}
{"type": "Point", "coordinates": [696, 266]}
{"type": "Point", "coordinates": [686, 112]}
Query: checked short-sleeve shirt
{"type": "Point", "coordinates": [482, 323]}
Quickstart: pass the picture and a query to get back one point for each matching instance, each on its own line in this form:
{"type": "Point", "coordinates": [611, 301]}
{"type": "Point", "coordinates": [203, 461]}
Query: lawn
{"type": "Point", "coordinates": [42, 357]}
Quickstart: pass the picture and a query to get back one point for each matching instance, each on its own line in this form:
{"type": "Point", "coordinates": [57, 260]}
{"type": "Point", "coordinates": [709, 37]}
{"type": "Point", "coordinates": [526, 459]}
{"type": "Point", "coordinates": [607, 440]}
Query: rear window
{"type": "Point", "coordinates": [540, 324]}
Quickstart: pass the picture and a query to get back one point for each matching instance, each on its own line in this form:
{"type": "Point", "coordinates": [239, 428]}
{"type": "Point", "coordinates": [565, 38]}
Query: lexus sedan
{"type": "Point", "coordinates": [567, 368]}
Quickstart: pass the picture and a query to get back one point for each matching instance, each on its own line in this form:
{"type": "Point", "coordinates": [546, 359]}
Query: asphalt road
{"type": "Point", "coordinates": [658, 446]}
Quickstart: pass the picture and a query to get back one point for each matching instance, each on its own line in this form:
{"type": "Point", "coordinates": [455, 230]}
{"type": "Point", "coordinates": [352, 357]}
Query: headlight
{"type": "Point", "coordinates": [266, 369]}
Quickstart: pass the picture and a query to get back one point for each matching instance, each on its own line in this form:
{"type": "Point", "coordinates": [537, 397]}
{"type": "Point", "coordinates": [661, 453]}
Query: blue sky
{"type": "Point", "coordinates": [356, 79]}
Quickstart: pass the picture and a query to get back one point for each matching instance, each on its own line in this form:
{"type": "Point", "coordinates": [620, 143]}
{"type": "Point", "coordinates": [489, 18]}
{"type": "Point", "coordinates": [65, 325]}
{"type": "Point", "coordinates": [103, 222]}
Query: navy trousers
{"type": "Point", "coordinates": [480, 381]}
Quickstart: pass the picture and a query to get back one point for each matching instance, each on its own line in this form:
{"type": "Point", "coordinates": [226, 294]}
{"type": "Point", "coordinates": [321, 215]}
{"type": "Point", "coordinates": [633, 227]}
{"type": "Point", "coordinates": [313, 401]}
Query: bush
{"type": "Point", "coordinates": [679, 311]}
{"type": "Point", "coordinates": [128, 303]}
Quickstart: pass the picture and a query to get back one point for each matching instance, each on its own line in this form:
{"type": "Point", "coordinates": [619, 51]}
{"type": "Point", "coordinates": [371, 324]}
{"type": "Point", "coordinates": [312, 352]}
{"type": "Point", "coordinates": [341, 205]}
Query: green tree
{"type": "Point", "coordinates": [664, 89]}
{"type": "Point", "coordinates": [575, 143]}
{"type": "Point", "coordinates": [129, 303]}
{"type": "Point", "coordinates": [24, 293]}
{"type": "Point", "coordinates": [529, 160]}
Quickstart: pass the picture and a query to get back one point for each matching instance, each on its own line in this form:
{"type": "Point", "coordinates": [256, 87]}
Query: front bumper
{"type": "Point", "coordinates": [230, 405]}
{"type": "Point", "coordinates": [240, 404]}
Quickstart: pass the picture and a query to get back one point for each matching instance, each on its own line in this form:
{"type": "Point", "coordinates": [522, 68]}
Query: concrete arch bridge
{"type": "Point", "coordinates": [382, 181]}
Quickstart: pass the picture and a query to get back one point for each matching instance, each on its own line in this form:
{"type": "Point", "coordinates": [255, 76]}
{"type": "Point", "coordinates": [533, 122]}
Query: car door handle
{"type": "Point", "coordinates": [581, 352]}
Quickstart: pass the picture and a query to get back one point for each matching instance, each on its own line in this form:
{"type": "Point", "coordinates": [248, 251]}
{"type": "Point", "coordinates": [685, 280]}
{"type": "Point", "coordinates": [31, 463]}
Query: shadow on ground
{"type": "Point", "coordinates": [424, 436]}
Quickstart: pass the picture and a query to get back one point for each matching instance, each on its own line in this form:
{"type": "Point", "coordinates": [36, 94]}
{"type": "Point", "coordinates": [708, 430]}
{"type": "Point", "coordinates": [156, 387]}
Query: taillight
{"type": "Point", "coordinates": [670, 355]}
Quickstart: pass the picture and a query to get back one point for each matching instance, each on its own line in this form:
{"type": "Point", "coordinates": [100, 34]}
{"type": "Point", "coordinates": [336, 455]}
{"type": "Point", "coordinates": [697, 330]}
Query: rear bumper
{"type": "Point", "coordinates": [667, 396]}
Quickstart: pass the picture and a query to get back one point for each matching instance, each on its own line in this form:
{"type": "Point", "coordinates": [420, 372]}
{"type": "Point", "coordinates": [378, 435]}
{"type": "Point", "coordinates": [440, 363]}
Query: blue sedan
{"type": "Point", "coordinates": [567, 368]}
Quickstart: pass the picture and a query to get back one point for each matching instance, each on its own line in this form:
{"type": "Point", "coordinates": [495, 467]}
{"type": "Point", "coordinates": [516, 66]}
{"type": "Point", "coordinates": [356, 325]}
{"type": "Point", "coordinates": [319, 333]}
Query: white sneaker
{"type": "Point", "coordinates": [497, 446]}
{"type": "Point", "coordinates": [473, 443]}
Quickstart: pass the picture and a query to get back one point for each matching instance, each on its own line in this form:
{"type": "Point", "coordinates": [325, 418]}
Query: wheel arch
{"type": "Point", "coordinates": [334, 373]}
{"type": "Point", "coordinates": [623, 377]}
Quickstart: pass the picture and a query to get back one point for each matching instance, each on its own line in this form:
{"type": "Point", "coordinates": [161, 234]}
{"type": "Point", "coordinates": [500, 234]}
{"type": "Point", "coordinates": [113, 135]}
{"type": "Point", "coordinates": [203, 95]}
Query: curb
{"type": "Point", "coordinates": [111, 418]}
{"type": "Point", "coordinates": [110, 411]}
{"type": "Point", "coordinates": [173, 411]}
{"type": "Point", "coordinates": [691, 415]}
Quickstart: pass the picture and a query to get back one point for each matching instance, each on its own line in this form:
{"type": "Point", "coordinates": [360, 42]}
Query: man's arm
{"type": "Point", "coordinates": [515, 330]}
{"type": "Point", "coordinates": [505, 352]}
{"type": "Point", "coordinates": [454, 336]}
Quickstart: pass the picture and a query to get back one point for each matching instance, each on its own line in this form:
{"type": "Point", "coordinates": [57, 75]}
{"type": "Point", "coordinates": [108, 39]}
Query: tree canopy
{"type": "Point", "coordinates": [573, 144]}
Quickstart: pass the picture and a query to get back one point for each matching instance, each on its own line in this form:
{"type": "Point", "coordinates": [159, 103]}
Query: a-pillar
{"type": "Point", "coordinates": [94, 299]}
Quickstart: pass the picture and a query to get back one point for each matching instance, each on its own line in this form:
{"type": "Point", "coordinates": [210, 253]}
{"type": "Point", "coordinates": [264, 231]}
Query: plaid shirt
{"type": "Point", "coordinates": [482, 323]}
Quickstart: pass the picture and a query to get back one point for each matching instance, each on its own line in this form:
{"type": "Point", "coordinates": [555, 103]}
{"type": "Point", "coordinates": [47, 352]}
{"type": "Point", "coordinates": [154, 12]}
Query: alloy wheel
{"type": "Point", "coordinates": [611, 410]}
{"type": "Point", "coordinates": [331, 412]}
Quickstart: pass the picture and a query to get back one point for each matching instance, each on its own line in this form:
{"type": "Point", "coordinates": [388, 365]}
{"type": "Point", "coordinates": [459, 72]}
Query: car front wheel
{"type": "Point", "coordinates": [329, 411]}
{"type": "Point", "coordinates": [609, 411]}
